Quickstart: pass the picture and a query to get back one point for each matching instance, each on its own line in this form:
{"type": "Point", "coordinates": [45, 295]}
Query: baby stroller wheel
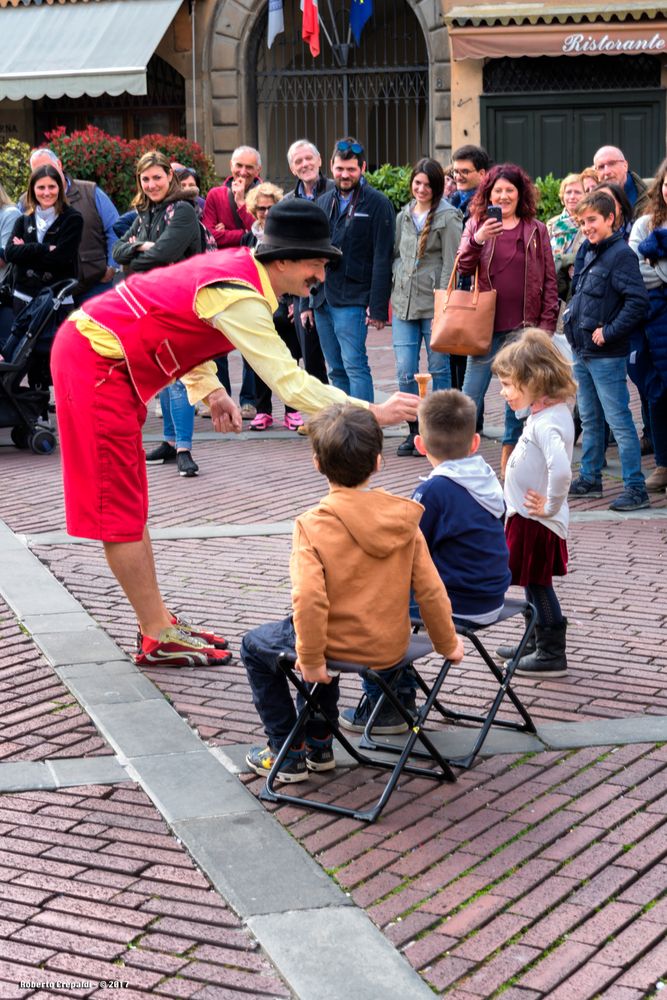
{"type": "Point", "coordinates": [42, 441]}
{"type": "Point", "coordinates": [19, 436]}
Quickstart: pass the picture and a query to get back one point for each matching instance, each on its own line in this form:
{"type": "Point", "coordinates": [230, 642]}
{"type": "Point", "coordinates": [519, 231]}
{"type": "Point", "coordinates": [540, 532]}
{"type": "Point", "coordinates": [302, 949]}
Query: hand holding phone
{"type": "Point", "coordinates": [495, 212]}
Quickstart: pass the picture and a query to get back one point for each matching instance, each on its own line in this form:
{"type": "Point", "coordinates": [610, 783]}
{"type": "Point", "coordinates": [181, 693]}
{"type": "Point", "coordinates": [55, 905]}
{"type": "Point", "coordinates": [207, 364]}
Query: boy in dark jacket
{"type": "Point", "coordinates": [608, 302]}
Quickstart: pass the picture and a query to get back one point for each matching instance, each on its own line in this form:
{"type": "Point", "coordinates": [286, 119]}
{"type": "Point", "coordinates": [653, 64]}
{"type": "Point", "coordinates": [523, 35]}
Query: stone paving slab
{"type": "Point", "coordinates": [328, 933]}
{"type": "Point", "coordinates": [27, 775]}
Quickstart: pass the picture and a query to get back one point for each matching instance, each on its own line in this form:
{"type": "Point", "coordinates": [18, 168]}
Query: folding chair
{"type": "Point", "coordinates": [470, 630]}
{"type": "Point", "coordinates": [419, 646]}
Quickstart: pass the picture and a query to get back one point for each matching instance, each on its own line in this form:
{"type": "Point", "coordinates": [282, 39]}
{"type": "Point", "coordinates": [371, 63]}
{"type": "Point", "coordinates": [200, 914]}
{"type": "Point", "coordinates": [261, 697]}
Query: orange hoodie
{"type": "Point", "coordinates": [354, 559]}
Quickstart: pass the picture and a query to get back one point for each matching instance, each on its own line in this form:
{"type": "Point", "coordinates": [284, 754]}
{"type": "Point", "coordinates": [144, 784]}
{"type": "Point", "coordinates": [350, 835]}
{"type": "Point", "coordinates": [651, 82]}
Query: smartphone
{"type": "Point", "coordinates": [495, 212]}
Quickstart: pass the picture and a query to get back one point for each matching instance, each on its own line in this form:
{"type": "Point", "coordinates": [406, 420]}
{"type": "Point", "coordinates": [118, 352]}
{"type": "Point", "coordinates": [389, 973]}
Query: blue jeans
{"type": "Point", "coordinates": [178, 416]}
{"type": "Point", "coordinates": [247, 392]}
{"type": "Point", "coordinates": [271, 689]}
{"type": "Point", "coordinates": [602, 394]}
{"type": "Point", "coordinates": [407, 336]}
{"type": "Point", "coordinates": [477, 380]}
{"type": "Point", "coordinates": [342, 331]}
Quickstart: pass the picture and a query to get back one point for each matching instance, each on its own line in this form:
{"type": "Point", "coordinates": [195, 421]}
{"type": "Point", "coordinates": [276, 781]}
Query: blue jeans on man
{"type": "Point", "coordinates": [270, 688]}
{"type": "Point", "coordinates": [178, 415]}
{"type": "Point", "coordinates": [602, 394]}
{"type": "Point", "coordinates": [342, 331]}
{"type": "Point", "coordinates": [407, 336]}
{"type": "Point", "coordinates": [477, 380]}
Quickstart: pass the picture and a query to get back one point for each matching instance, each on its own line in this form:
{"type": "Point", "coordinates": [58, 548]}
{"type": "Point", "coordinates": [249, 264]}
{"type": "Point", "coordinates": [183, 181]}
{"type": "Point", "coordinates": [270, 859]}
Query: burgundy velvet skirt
{"type": "Point", "coordinates": [536, 553]}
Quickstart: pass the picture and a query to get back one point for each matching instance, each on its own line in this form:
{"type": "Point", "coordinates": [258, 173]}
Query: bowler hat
{"type": "Point", "coordinates": [296, 229]}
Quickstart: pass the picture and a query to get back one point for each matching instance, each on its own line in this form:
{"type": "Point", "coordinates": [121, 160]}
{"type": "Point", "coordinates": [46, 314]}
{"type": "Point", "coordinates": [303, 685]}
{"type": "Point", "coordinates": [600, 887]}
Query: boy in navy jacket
{"type": "Point", "coordinates": [609, 301]}
{"type": "Point", "coordinates": [463, 526]}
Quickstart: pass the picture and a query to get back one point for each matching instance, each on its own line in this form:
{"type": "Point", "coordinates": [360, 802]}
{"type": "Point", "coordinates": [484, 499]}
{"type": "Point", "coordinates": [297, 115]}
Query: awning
{"type": "Point", "coordinates": [80, 48]}
{"type": "Point", "coordinates": [476, 14]}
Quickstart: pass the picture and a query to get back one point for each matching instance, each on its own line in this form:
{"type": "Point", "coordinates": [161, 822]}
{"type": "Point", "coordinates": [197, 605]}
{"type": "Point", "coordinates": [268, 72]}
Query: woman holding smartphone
{"type": "Point", "coordinates": [511, 250]}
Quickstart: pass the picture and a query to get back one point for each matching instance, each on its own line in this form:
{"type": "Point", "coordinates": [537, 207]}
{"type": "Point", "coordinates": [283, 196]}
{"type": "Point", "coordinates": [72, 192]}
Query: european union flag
{"type": "Point", "coordinates": [360, 11]}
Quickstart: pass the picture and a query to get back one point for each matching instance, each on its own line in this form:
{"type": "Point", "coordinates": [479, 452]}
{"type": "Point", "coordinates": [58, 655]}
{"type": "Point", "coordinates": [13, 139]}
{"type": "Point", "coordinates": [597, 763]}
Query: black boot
{"type": "Point", "coordinates": [407, 447]}
{"type": "Point", "coordinates": [507, 653]}
{"type": "Point", "coordinates": [549, 660]}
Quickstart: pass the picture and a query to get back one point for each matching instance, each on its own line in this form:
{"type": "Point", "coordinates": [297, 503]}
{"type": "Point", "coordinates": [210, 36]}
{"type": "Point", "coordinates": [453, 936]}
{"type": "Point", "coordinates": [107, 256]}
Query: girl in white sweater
{"type": "Point", "coordinates": [536, 380]}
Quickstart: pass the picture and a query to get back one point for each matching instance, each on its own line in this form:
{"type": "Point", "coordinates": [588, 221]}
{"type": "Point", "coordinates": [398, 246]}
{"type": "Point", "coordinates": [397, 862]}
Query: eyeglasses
{"type": "Point", "coordinates": [609, 163]}
{"type": "Point", "coordinates": [462, 172]}
{"type": "Point", "coordinates": [346, 145]}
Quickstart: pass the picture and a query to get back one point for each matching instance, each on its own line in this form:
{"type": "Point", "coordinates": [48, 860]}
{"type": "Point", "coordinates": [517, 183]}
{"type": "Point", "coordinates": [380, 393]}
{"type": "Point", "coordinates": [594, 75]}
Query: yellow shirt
{"type": "Point", "coordinates": [246, 319]}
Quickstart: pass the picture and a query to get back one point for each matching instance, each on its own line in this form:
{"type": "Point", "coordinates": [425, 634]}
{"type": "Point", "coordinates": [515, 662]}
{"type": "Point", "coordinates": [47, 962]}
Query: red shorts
{"type": "Point", "coordinates": [100, 419]}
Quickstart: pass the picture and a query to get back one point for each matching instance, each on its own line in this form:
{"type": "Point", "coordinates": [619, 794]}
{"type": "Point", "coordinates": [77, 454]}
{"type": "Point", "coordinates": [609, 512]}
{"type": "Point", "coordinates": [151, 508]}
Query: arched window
{"type": "Point", "coordinates": [377, 91]}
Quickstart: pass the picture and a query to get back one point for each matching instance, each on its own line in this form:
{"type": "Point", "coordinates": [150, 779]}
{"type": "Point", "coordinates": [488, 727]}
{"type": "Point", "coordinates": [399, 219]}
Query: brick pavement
{"type": "Point", "coordinates": [93, 887]}
{"type": "Point", "coordinates": [534, 876]}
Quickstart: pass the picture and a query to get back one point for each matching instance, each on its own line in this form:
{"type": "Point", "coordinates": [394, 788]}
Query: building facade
{"type": "Point", "coordinates": [544, 84]}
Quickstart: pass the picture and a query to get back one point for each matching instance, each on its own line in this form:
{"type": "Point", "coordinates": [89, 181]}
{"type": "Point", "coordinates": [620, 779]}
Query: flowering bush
{"type": "Point", "coordinates": [93, 155]}
{"type": "Point", "coordinates": [14, 167]}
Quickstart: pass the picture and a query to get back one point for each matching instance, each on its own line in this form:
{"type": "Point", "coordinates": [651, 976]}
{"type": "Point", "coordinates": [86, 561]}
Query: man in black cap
{"type": "Point", "coordinates": [110, 359]}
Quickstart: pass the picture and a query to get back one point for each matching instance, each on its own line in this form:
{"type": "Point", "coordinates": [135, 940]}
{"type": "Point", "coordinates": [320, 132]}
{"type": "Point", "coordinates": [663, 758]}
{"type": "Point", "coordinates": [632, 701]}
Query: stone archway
{"type": "Point", "coordinates": [232, 53]}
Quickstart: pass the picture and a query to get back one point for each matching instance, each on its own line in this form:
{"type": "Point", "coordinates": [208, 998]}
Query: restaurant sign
{"type": "Point", "coordinates": [496, 41]}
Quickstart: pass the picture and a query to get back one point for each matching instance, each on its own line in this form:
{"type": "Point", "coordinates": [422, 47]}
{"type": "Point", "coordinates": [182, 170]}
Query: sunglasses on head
{"type": "Point", "coordinates": [345, 145]}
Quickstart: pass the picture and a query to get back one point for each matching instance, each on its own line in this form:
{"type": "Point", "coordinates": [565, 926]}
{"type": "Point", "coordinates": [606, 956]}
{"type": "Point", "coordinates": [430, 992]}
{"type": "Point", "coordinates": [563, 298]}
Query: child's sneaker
{"type": "Point", "coordinates": [293, 421]}
{"type": "Point", "coordinates": [319, 754]}
{"type": "Point", "coordinates": [387, 723]}
{"type": "Point", "coordinates": [176, 648]}
{"type": "Point", "coordinates": [293, 768]}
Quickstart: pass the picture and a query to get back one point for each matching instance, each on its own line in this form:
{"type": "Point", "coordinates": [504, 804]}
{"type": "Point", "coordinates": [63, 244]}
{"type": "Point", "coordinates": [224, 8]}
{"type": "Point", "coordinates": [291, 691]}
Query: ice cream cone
{"type": "Point", "coordinates": [422, 383]}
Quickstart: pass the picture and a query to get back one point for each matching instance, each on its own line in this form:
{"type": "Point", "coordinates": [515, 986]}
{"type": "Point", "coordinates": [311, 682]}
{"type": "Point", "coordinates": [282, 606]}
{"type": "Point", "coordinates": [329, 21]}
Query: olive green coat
{"type": "Point", "coordinates": [414, 281]}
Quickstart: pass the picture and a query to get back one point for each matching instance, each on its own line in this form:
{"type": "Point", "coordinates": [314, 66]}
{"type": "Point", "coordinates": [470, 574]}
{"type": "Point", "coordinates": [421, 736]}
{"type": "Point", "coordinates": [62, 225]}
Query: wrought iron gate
{"type": "Point", "coordinates": [377, 91]}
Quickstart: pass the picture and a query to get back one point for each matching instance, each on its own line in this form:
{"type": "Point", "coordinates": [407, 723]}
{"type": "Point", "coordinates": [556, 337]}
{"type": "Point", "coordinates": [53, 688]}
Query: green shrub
{"type": "Point", "coordinates": [549, 203]}
{"type": "Point", "coordinates": [93, 155]}
{"type": "Point", "coordinates": [392, 181]}
{"type": "Point", "coordinates": [15, 167]}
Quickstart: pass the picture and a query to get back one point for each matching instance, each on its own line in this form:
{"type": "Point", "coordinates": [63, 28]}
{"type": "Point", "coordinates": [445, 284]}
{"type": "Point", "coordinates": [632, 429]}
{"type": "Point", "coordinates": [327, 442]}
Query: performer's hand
{"type": "Point", "coordinates": [399, 407]}
{"type": "Point", "coordinates": [314, 675]}
{"type": "Point", "coordinates": [225, 414]}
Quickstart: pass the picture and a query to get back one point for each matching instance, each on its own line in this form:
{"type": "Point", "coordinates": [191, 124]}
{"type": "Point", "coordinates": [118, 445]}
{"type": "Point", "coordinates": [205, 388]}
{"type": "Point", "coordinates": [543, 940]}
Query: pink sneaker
{"type": "Point", "coordinates": [261, 422]}
{"type": "Point", "coordinates": [293, 421]}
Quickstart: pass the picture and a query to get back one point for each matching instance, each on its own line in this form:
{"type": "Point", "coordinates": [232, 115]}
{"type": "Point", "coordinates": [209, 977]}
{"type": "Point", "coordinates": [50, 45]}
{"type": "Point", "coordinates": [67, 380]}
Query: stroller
{"type": "Point", "coordinates": [26, 353]}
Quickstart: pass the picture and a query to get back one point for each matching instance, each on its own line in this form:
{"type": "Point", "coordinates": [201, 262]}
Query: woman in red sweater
{"type": "Point", "coordinates": [514, 257]}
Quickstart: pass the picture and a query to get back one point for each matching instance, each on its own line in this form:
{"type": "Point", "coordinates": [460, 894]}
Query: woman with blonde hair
{"type": "Point", "coordinates": [165, 231]}
{"type": "Point", "coordinates": [565, 232]}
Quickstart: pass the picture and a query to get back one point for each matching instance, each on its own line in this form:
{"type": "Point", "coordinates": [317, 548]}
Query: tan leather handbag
{"type": "Point", "coordinates": [463, 321]}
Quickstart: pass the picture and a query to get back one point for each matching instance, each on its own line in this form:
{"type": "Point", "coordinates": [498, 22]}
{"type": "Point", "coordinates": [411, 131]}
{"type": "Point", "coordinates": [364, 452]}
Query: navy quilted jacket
{"type": "Point", "coordinates": [607, 291]}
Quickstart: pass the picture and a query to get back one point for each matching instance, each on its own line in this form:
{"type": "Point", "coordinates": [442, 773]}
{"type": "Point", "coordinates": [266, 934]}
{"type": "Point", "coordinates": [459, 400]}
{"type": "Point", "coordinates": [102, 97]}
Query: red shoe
{"type": "Point", "coordinates": [210, 638]}
{"type": "Point", "coordinates": [176, 648]}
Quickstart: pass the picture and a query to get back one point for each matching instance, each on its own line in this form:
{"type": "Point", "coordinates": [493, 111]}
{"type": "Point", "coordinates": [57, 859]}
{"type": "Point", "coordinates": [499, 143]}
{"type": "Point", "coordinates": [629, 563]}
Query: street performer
{"type": "Point", "coordinates": [112, 356]}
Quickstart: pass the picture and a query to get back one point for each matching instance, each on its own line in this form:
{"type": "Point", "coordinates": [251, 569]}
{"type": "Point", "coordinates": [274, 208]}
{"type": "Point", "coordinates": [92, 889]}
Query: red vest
{"type": "Point", "coordinates": [153, 316]}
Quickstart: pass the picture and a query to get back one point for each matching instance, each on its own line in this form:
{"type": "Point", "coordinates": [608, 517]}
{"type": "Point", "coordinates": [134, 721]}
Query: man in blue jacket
{"type": "Point", "coordinates": [608, 302]}
{"type": "Point", "coordinates": [356, 293]}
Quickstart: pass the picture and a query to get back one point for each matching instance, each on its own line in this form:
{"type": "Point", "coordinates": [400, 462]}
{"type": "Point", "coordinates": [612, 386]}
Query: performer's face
{"type": "Point", "coordinates": [300, 275]}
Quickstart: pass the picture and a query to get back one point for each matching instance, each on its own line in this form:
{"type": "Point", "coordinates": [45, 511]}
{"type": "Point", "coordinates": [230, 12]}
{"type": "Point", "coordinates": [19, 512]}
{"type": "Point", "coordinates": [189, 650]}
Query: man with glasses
{"type": "Point", "coordinates": [612, 167]}
{"type": "Point", "coordinates": [356, 293]}
{"type": "Point", "coordinates": [469, 164]}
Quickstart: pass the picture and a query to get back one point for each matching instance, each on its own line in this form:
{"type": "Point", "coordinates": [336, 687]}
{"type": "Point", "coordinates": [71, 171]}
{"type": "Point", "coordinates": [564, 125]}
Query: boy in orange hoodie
{"type": "Point", "coordinates": [354, 559]}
